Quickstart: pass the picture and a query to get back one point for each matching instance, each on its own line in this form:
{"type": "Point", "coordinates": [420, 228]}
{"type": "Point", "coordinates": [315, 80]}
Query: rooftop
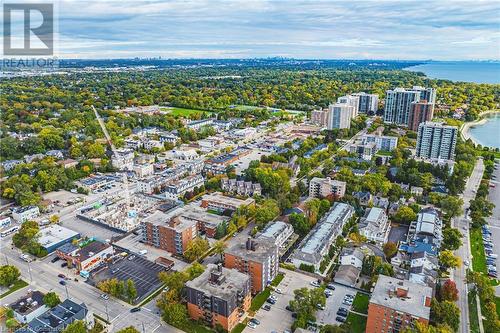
{"type": "Point", "coordinates": [91, 249]}
{"type": "Point", "coordinates": [230, 201]}
{"type": "Point", "coordinates": [254, 250]}
{"type": "Point", "coordinates": [403, 296]}
{"type": "Point", "coordinates": [57, 318]}
{"type": "Point", "coordinates": [54, 234]}
{"type": "Point", "coordinates": [28, 303]}
{"type": "Point", "coordinates": [220, 282]}
{"type": "Point", "coordinates": [274, 229]}
{"type": "Point", "coordinates": [160, 218]}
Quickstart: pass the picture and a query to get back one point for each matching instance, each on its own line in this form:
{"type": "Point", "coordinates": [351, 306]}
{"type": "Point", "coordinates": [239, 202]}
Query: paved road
{"type": "Point", "coordinates": [464, 251]}
{"type": "Point", "coordinates": [43, 277]}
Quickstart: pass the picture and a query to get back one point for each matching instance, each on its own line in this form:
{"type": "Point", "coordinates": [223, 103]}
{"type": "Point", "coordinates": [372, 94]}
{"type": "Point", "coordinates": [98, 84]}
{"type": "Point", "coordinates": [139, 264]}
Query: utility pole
{"type": "Point", "coordinates": [143, 330]}
{"type": "Point", "coordinates": [67, 294]}
{"type": "Point", "coordinates": [29, 270]}
{"type": "Point", "coordinates": [6, 259]}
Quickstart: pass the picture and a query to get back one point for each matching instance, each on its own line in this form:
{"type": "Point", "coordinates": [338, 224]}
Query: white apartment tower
{"type": "Point", "coordinates": [340, 115]}
{"type": "Point", "coordinates": [352, 100]}
{"type": "Point", "coordinates": [436, 141]}
{"type": "Point", "coordinates": [368, 103]}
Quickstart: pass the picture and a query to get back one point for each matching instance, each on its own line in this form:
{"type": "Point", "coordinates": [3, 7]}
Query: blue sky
{"type": "Point", "coordinates": [441, 30]}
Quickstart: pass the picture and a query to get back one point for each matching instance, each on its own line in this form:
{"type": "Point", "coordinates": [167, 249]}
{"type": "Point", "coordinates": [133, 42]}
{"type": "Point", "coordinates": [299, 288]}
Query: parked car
{"type": "Point", "coordinates": [64, 264]}
{"type": "Point", "coordinates": [278, 291]}
{"type": "Point", "coordinates": [135, 309]}
{"type": "Point", "coordinates": [251, 325]}
{"type": "Point", "coordinates": [330, 286]}
{"type": "Point", "coordinates": [271, 301]}
{"type": "Point", "coordinates": [104, 296]}
{"type": "Point", "coordinates": [267, 307]}
{"type": "Point", "coordinates": [315, 284]}
{"type": "Point", "coordinates": [320, 307]}
{"type": "Point", "coordinates": [62, 282]}
{"type": "Point", "coordinates": [342, 313]}
{"type": "Point", "coordinates": [340, 319]}
{"type": "Point", "coordinates": [466, 262]}
{"type": "Point", "coordinates": [62, 276]}
{"type": "Point", "coordinates": [288, 307]}
{"type": "Point", "coordinates": [255, 321]}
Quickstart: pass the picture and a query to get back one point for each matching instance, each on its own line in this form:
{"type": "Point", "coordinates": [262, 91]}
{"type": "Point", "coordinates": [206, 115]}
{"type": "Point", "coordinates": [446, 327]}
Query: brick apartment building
{"type": "Point", "coordinates": [420, 112]}
{"type": "Point", "coordinates": [167, 232]}
{"type": "Point", "coordinates": [259, 259]}
{"type": "Point", "coordinates": [397, 304]}
{"type": "Point", "coordinates": [218, 296]}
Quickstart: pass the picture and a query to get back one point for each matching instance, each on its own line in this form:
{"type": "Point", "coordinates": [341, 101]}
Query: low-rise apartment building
{"type": "Point", "coordinates": [375, 225]}
{"type": "Point", "coordinates": [397, 304]}
{"type": "Point", "coordinates": [168, 231]}
{"type": "Point", "coordinates": [317, 243]}
{"type": "Point", "coordinates": [177, 189]}
{"type": "Point", "coordinates": [28, 307]}
{"type": "Point", "coordinates": [278, 232]}
{"type": "Point", "coordinates": [218, 296]}
{"type": "Point", "coordinates": [218, 201]}
{"type": "Point", "coordinates": [240, 187]}
{"type": "Point", "coordinates": [324, 187]}
{"type": "Point", "coordinates": [258, 259]}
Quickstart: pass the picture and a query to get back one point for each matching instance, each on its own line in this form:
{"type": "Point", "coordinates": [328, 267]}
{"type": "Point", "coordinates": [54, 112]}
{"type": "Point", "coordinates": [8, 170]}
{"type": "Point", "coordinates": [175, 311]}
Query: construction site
{"type": "Point", "coordinates": [119, 213]}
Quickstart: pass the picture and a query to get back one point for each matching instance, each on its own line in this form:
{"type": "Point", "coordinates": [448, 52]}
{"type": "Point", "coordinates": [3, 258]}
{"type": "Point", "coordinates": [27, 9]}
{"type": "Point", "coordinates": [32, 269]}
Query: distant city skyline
{"type": "Point", "coordinates": [410, 30]}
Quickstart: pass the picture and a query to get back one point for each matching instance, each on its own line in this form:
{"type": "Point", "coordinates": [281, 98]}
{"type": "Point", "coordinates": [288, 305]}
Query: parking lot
{"type": "Point", "coordinates": [279, 319]}
{"type": "Point", "coordinates": [398, 233]}
{"type": "Point", "coordinates": [133, 244]}
{"type": "Point", "coordinates": [144, 273]}
{"type": "Point", "coordinates": [333, 303]}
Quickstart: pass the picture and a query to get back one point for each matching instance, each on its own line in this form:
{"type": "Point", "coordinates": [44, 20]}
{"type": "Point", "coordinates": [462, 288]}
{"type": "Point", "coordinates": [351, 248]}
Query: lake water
{"type": "Point", "coordinates": [488, 134]}
{"type": "Point", "coordinates": [465, 71]}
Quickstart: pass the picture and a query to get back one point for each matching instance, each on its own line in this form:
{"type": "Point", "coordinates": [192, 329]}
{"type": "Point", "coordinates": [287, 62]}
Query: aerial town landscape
{"type": "Point", "coordinates": [249, 194]}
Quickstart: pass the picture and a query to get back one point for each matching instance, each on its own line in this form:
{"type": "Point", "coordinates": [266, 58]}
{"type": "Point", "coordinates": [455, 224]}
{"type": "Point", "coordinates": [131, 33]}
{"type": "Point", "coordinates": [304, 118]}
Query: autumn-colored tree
{"type": "Point", "coordinates": [449, 291]}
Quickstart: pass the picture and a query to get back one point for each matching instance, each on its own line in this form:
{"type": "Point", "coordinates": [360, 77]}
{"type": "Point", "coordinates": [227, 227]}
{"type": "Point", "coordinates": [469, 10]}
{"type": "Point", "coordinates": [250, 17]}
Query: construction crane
{"type": "Point", "coordinates": [115, 154]}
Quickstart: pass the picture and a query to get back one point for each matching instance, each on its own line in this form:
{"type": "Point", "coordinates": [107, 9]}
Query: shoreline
{"type": "Point", "coordinates": [464, 129]}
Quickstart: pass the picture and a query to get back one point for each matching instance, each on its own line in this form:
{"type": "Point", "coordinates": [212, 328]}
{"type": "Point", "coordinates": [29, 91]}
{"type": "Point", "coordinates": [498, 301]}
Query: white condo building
{"type": "Point", "coordinates": [340, 116]}
{"type": "Point", "coordinates": [436, 141]}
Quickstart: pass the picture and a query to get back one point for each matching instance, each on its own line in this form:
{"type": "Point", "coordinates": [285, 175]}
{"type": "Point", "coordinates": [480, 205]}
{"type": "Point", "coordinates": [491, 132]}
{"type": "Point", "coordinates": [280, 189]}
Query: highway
{"type": "Point", "coordinates": [462, 223]}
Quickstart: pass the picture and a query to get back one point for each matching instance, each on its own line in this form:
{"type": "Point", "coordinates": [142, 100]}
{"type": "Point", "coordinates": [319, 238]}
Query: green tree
{"type": "Point", "coordinates": [300, 224]}
{"type": "Point", "coordinates": [219, 248]}
{"type": "Point", "coordinates": [452, 239]}
{"type": "Point", "coordinates": [195, 270]}
{"type": "Point", "coordinates": [131, 290]}
{"type": "Point", "coordinates": [8, 275]}
{"type": "Point", "coordinates": [448, 260]}
{"type": "Point", "coordinates": [77, 326]}
{"type": "Point", "coordinates": [404, 215]}
{"type": "Point", "coordinates": [266, 212]}
{"type": "Point", "coordinates": [175, 314]}
{"type": "Point", "coordinates": [51, 299]}
{"type": "Point", "coordinates": [195, 248]}
{"type": "Point", "coordinates": [451, 206]}
{"type": "Point", "coordinates": [390, 249]}
{"type": "Point", "coordinates": [445, 312]}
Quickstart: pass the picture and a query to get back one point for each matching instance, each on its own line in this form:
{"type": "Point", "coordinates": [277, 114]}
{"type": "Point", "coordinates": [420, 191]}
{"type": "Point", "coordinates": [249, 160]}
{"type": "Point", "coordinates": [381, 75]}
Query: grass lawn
{"type": "Point", "coordinates": [260, 299]}
{"type": "Point", "coordinates": [497, 302]}
{"type": "Point", "coordinates": [16, 286]}
{"type": "Point", "coordinates": [184, 112]}
{"type": "Point", "coordinates": [238, 328]}
{"type": "Point", "coordinates": [384, 153]}
{"type": "Point", "coordinates": [474, 321]}
{"type": "Point", "coordinates": [277, 280]}
{"type": "Point", "coordinates": [360, 303]}
{"type": "Point", "coordinates": [194, 327]}
{"type": "Point", "coordinates": [356, 322]}
{"type": "Point", "coordinates": [478, 257]}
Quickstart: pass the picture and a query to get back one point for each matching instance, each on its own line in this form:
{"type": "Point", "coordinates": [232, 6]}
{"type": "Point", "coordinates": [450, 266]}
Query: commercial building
{"type": "Point", "coordinates": [29, 307]}
{"type": "Point", "coordinates": [258, 259]}
{"type": "Point", "coordinates": [220, 202]}
{"type": "Point", "coordinates": [397, 304]}
{"type": "Point", "coordinates": [352, 100]}
{"type": "Point", "coordinates": [316, 245]}
{"type": "Point", "coordinates": [340, 116]}
{"type": "Point", "coordinates": [368, 103]}
{"type": "Point", "coordinates": [59, 317]}
{"type": "Point", "coordinates": [53, 236]}
{"type": "Point", "coordinates": [86, 257]}
{"type": "Point", "coordinates": [218, 296]}
{"type": "Point", "coordinates": [375, 225]}
{"type": "Point", "coordinates": [436, 141]}
{"type": "Point", "coordinates": [169, 231]}
{"type": "Point", "coordinates": [319, 117]}
{"type": "Point", "coordinates": [324, 187]}
{"type": "Point", "coordinates": [420, 112]}
{"type": "Point", "coordinates": [277, 232]}
{"type": "Point", "coordinates": [240, 187]}
{"type": "Point", "coordinates": [23, 214]}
